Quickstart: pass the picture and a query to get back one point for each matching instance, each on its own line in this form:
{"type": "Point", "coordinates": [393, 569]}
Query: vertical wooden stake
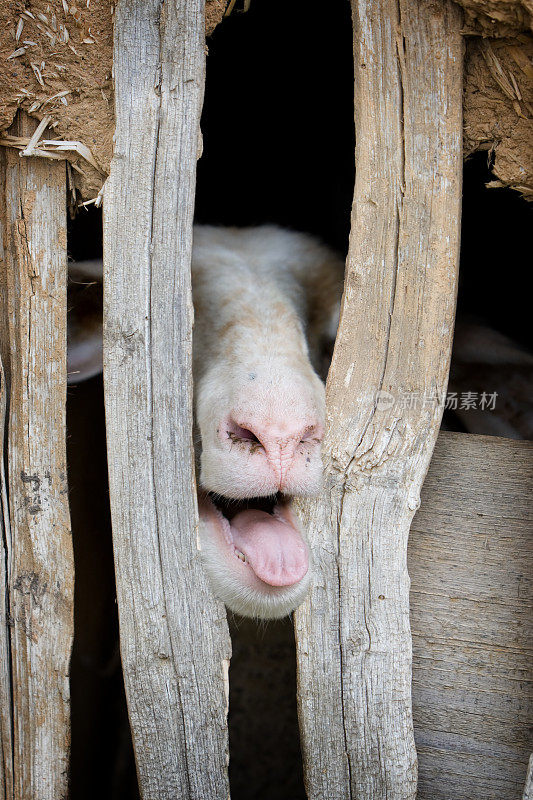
{"type": "Point", "coordinates": [385, 398]}
{"type": "Point", "coordinates": [39, 545]}
{"type": "Point", "coordinates": [6, 717]}
{"type": "Point", "coordinates": [174, 640]}
{"type": "Point", "coordinates": [6, 713]}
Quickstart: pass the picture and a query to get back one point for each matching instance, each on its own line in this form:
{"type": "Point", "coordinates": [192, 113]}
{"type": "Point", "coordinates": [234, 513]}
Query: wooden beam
{"type": "Point", "coordinates": [384, 398]}
{"type": "Point", "coordinates": [40, 570]}
{"type": "Point", "coordinates": [471, 560]}
{"type": "Point", "coordinates": [174, 640]}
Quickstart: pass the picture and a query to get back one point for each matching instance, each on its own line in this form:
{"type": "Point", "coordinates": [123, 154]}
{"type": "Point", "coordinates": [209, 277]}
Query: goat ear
{"type": "Point", "coordinates": [84, 321]}
{"type": "Point", "coordinates": [84, 356]}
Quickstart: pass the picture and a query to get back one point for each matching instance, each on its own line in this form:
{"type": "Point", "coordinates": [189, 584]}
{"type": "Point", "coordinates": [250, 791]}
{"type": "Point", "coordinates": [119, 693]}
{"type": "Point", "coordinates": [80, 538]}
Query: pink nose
{"type": "Point", "coordinates": [283, 442]}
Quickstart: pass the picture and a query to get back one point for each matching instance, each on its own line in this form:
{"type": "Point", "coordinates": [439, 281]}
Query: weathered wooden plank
{"type": "Point", "coordinates": [454, 787]}
{"type": "Point", "coordinates": [6, 719]}
{"type": "Point", "coordinates": [4, 321]}
{"type": "Point", "coordinates": [6, 716]}
{"type": "Point", "coordinates": [471, 563]}
{"type": "Point", "coordinates": [174, 640]}
{"type": "Point", "coordinates": [385, 393]}
{"type": "Point", "coordinates": [40, 564]}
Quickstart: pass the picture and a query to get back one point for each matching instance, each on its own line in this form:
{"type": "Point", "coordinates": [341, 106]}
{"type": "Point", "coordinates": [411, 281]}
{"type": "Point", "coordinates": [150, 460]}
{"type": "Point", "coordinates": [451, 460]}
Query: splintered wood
{"type": "Point", "coordinates": [37, 620]}
{"type": "Point", "coordinates": [385, 397]}
{"type": "Point", "coordinates": [174, 640]}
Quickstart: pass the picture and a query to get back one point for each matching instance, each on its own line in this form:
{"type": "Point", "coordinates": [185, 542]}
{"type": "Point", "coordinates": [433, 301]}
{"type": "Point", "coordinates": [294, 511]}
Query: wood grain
{"type": "Point", "coordinates": [6, 715]}
{"type": "Point", "coordinates": [393, 344]}
{"type": "Point", "coordinates": [174, 640]}
{"type": "Point", "coordinates": [470, 560]}
{"type": "Point", "coordinates": [471, 564]}
{"type": "Point", "coordinates": [39, 545]}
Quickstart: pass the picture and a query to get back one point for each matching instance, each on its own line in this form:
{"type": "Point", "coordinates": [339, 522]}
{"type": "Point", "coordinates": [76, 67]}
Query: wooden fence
{"type": "Point", "coordinates": [353, 635]}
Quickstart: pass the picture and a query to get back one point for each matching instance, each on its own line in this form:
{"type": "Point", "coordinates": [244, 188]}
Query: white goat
{"type": "Point", "coordinates": [263, 297]}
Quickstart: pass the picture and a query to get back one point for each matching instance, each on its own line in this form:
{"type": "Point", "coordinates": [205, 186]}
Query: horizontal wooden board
{"type": "Point", "coordinates": [470, 560]}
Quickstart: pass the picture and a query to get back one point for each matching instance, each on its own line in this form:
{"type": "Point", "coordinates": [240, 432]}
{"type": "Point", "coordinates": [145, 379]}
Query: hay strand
{"type": "Point", "coordinates": [30, 149]}
{"type": "Point", "coordinates": [49, 148]}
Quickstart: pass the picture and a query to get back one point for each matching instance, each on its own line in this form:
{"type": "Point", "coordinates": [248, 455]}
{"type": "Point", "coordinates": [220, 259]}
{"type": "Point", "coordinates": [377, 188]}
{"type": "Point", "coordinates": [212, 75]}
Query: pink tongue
{"type": "Point", "coordinates": [273, 547]}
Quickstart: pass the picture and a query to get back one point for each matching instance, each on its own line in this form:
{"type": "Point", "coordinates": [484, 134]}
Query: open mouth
{"type": "Point", "coordinates": [262, 534]}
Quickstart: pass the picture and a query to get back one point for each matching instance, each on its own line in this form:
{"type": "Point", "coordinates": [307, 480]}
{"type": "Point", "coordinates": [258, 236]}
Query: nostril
{"type": "Point", "coordinates": [286, 434]}
{"type": "Point", "coordinates": [312, 433]}
{"type": "Point", "coordinates": [244, 433]}
{"type": "Point", "coordinates": [235, 431]}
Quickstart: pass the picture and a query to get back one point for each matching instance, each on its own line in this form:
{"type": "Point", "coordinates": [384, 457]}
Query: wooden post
{"type": "Point", "coordinates": [40, 571]}
{"type": "Point", "coordinates": [174, 640]}
{"type": "Point", "coordinates": [6, 717]}
{"type": "Point", "coordinates": [384, 398]}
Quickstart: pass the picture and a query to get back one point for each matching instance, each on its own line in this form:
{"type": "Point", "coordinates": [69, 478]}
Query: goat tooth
{"type": "Point", "coordinates": [240, 555]}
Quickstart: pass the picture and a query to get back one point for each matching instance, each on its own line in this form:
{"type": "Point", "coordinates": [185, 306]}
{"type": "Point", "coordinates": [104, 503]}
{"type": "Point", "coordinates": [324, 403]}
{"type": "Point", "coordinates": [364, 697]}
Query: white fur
{"type": "Point", "coordinates": [260, 296]}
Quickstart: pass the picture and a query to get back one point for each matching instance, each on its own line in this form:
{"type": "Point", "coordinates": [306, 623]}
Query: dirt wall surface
{"type": "Point", "coordinates": [56, 60]}
{"type": "Point", "coordinates": [498, 107]}
{"type": "Point", "coordinates": [214, 11]}
{"type": "Point", "coordinates": [496, 17]}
